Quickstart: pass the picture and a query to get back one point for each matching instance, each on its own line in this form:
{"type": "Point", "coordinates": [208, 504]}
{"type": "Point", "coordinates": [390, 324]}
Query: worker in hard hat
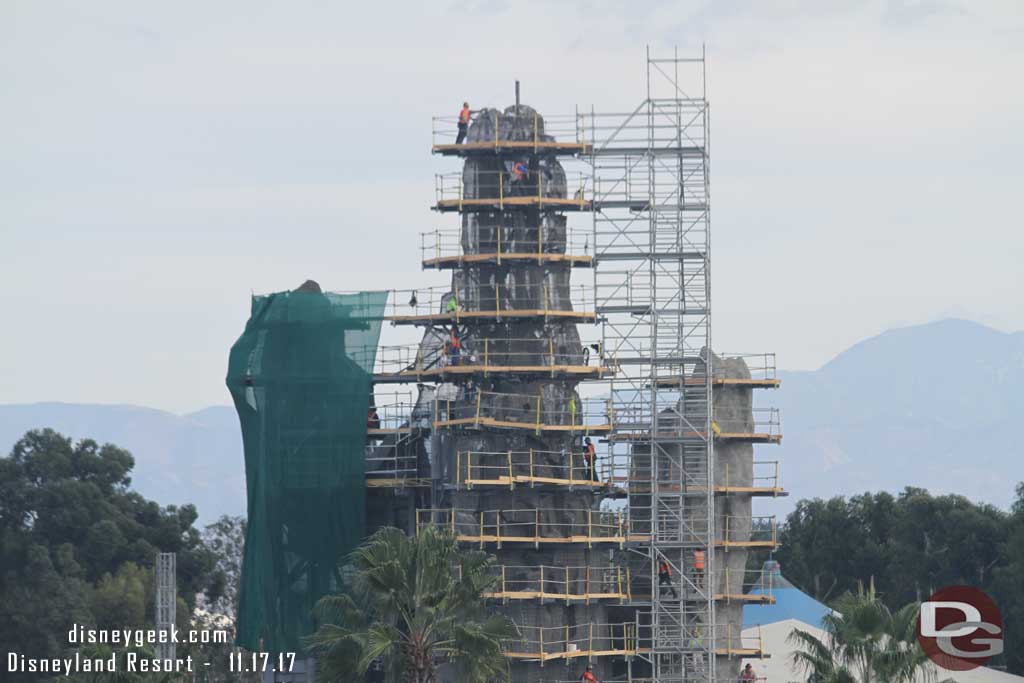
{"type": "Point", "coordinates": [588, 675]}
{"type": "Point", "coordinates": [464, 116]}
{"type": "Point", "coordinates": [748, 675]}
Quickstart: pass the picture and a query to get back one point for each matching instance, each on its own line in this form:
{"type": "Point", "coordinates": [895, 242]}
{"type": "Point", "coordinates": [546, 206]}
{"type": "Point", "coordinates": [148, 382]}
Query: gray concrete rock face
{"type": "Point", "coordinates": [526, 286]}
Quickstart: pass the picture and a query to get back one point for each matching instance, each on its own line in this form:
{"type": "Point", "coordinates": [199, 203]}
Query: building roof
{"type": "Point", "coordinates": [779, 668]}
{"type": "Point", "coordinates": [790, 601]}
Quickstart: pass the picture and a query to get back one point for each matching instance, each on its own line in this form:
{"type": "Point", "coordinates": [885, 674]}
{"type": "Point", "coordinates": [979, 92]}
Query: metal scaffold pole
{"type": "Point", "coordinates": [651, 234]}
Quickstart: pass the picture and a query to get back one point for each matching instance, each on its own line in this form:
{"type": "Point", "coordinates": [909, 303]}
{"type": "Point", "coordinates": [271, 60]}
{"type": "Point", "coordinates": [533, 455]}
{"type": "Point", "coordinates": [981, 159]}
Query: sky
{"type": "Point", "coordinates": [162, 161]}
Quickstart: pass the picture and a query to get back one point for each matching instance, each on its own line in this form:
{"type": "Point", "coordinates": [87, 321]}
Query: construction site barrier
{"type": "Point", "coordinates": [441, 248]}
{"type": "Point", "coordinates": [522, 411]}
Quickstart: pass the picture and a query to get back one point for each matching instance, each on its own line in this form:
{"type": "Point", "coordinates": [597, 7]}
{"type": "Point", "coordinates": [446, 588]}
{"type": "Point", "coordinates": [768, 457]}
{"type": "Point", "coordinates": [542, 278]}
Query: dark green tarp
{"type": "Point", "coordinates": [300, 379]}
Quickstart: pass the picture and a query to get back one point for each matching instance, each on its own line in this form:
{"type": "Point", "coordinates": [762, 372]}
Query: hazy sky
{"type": "Point", "coordinates": [161, 160]}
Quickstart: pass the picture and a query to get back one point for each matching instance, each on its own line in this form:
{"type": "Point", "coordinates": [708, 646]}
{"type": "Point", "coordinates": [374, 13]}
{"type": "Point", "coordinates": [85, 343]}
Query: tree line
{"type": "Point", "coordinates": [77, 546]}
{"type": "Point", "coordinates": [910, 545]}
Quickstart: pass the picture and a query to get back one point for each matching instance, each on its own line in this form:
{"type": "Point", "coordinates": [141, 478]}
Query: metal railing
{"type": "Point", "coordinates": [543, 582]}
{"type": "Point", "coordinates": [766, 422]}
{"type": "Point", "coordinates": [503, 240]}
{"type": "Point", "coordinates": [394, 411]}
{"type": "Point", "coordinates": [749, 532]}
{"type": "Point", "coordinates": [497, 187]}
{"type": "Point", "coordinates": [531, 467]}
{"type": "Point", "coordinates": [522, 410]}
{"type": "Point", "coordinates": [542, 298]}
{"type": "Point", "coordinates": [485, 353]}
{"type": "Point", "coordinates": [539, 130]}
{"type": "Point", "coordinates": [569, 642]}
{"type": "Point", "coordinates": [765, 475]}
{"type": "Point", "coordinates": [537, 526]}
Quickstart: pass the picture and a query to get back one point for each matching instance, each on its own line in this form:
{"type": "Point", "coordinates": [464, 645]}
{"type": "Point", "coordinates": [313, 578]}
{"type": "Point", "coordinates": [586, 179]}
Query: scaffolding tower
{"type": "Point", "coordinates": [494, 449]}
{"type": "Point", "coordinates": [166, 603]}
{"type": "Point", "coordinates": [652, 265]}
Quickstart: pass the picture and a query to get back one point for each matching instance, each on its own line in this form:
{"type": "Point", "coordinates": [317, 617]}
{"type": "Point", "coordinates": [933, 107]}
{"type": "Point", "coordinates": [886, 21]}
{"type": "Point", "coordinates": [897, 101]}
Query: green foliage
{"type": "Point", "coordinates": [414, 603]}
{"type": "Point", "coordinates": [77, 546]}
{"type": "Point", "coordinates": [910, 545]}
{"type": "Point", "coordinates": [865, 642]}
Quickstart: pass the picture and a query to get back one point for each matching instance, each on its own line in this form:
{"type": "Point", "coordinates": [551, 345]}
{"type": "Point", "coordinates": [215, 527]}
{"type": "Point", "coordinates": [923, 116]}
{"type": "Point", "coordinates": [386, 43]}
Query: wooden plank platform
{"type": "Point", "coordinates": [385, 430]}
{"type": "Point", "coordinates": [759, 598]}
{"type": "Point", "coordinates": [643, 486]}
{"type": "Point", "coordinates": [575, 654]}
{"type": "Point", "coordinates": [505, 480]}
{"type": "Point", "coordinates": [457, 261]}
{"type": "Point", "coordinates": [498, 146]}
{"type": "Point", "coordinates": [490, 203]}
{"type": "Point", "coordinates": [752, 653]}
{"type": "Point", "coordinates": [538, 540]}
{"type": "Point", "coordinates": [473, 369]}
{"type": "Point", "coordinates": [491, 422]}
{"type": "Point", "coordinates": [724, 436]}
{"type": "Point", "coordinates": [422, 318]}
{"type": "Point", "coordinates": [721, 382]}
{"type": "Point", "coordinates": [544, 595]}
{"type": "Point", "coordinates": [746, 544]}
{"type": "Point", "coordinates": [393, 483]}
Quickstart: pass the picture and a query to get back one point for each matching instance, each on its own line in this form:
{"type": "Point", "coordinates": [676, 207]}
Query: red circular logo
{"type": "Point", "coordinates": [960, 628]}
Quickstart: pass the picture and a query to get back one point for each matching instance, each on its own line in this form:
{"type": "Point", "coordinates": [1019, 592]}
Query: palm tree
{"type": "Point", "coordinates": [865, 643]}
{"type": "Point", "coordinates": [414, 603]}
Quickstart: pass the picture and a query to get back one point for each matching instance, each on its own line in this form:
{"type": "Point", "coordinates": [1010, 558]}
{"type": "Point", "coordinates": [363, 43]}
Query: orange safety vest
{"type": "Point", "coordinates": [456, 344]}
{"type": "Point", "coordinates": [698, 559]}
{"type": "Point", "coordinates": [464, 115]}
{"type": "Point", "coordinates": [663, 568]}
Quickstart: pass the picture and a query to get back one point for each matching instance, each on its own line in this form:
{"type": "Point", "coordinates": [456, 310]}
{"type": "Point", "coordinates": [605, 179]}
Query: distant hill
{"type": "Point", "coordinates": [936, 406]}
{"type": "Point", "coordinates": [195, 458]}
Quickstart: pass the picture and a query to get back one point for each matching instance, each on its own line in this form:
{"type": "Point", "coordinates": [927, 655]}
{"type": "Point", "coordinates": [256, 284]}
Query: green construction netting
{"type": "Point", "coordinates": [300, 379]}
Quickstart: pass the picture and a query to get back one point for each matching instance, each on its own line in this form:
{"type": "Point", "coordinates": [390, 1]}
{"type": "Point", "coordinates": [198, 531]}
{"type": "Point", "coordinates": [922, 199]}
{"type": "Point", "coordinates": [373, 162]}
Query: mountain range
{"type": "Point", "coordinates": [935, 406]}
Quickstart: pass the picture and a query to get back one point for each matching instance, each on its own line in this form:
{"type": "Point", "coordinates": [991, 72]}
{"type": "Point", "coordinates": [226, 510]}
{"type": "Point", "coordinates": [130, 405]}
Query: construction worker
{"type": "Point", "coordinates": [464, 115]}
{"type": "Point", "coordinates": [454, 346]}
{"type": "Point", "coordinates": [748, 675]}
{"type": "Point", "coordinates": [372, 418]}
{"type": "Point", "coordinates": [590, 454]}
{"type": "Point", "coordinates": [519, 171]}
{"type": "Point", "coordinates": [665, 577]}
{"type": "Point", "coordinates": [588, 675]}
{"type": "Point", "coordinates": [698, 567]}
{"type": "Point", "coordinates": [572, 410]}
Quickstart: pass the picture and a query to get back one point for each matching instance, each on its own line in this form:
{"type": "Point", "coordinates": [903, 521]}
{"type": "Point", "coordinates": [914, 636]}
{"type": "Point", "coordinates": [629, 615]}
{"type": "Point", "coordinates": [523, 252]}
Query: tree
{"type": "Point", "coordinates": [414, 603]}
{"type": "Point", "coordinates": [865, 643]}
{"type": "Point", "coordinates": [77, 545]}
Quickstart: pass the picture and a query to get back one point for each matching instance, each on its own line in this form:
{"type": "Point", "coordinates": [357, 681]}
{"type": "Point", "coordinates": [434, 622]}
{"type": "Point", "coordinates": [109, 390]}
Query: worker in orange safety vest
{"type": "Point", "coordinates": [464, 115]}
